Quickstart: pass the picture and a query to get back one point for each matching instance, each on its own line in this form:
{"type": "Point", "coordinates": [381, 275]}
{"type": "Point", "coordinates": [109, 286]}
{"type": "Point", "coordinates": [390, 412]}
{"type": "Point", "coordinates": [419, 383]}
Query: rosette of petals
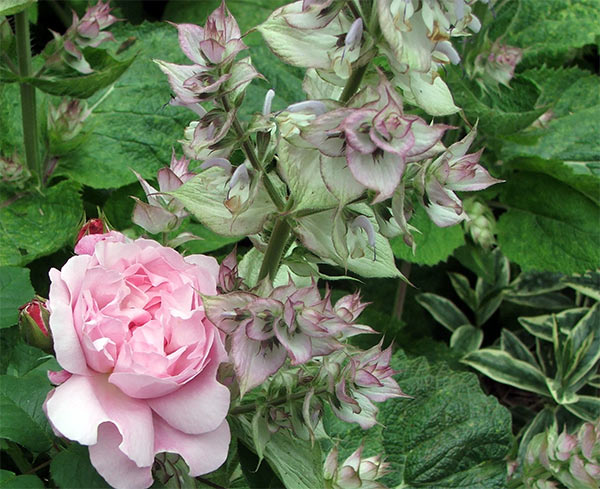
{"type": "Point", "coordinates": [355, 472]}
{"type": "Point", "coordinates": [378, 140]}
{"type": "Point", "coordinates": [203, 138]}
{"type": "Point", "coordinates": [140, 360]}
{"type": "Point", "coordinates": [367, 378]}
{"type": "Point", "coordinates": [162, 213]}
{"type": "Point", "coordinates": [454, 170]}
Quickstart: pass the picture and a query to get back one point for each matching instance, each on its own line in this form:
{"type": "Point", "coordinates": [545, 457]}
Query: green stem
{"type": "Point", "coordinates": [275, 249]}
{"type": "Point", "coordinates": [15, 453]}
{"type": "Point", "coordinates": [401, 291]}
{"type": "Point", "coordinates": [28, 105]}
{"type": "Point", "coordinates": [251, 407]}
{"type": "Point", "coordinates": [248, 150]}
{"type": "Point", "coordinates": [353, 83]}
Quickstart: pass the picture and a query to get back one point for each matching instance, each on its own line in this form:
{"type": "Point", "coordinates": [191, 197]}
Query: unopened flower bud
{"type": "Point", "coordinates": [354, 36]}
{"type": "Point", "coordinates": [356, 471]}
{"type": "Point", "coordinates": [33, 324]}
{"type": "Point", "coordinates": [93, 226]}
{"type": "Point", "coordinates": [268, 100]}
{"type": "Point", "coordinates": [13, 173]}
{"type": "Point", "coordinates": [481, 224]}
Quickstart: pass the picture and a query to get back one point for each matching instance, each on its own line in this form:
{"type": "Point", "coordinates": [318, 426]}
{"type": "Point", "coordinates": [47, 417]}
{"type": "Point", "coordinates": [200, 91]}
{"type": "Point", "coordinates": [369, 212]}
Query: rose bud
{"type": "Point", "coordinates": [33, 324]}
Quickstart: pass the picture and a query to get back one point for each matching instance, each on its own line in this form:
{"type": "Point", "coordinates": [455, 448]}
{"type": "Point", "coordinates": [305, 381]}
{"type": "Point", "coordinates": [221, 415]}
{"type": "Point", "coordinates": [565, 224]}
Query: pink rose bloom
{"type": "Point", "coordinates": [129, 327]}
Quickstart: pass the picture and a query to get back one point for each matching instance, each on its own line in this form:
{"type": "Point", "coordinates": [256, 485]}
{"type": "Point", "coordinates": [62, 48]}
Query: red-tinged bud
{"type": "Point", "coordinates": [93, 226]}
{"type": "Point", "coordinates": [33, 324]}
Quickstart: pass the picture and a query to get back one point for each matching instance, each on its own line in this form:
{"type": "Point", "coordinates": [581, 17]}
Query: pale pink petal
{"type": "Point", "coordinates": [57, 378]}
{"type": "Point", "coordinates": [190, 36]}
{"type": "Point", "coordinates": [78, 406]}
{"type": "Point", "coordinates": [378, 171]}
{"type": "Point", "coordinates": [200, 405]}
{"type": "Point", "coordinates": [142, 386]}
{"type": "Point", "coordinates": [208, 271]}
{"type": "Point", "coordinates": [113, 465]}
{"type": "Point", "coordinates": [203, 453]}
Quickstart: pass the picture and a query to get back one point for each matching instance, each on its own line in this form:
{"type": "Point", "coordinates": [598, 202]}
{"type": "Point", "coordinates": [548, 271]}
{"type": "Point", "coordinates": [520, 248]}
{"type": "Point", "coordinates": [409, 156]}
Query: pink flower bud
{"type": "Point", "coordinates": [33, 324]}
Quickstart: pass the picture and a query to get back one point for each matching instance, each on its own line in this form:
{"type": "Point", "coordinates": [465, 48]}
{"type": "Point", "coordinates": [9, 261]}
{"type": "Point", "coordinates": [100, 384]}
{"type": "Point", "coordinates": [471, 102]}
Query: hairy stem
{"type": "Point", "coordinates": [28, 105]}
{"type": "Point", "coordinates": [275, 249]}
{"type": "Point", "coordinates": [401, 291]}
{"type": "Point", "coordinates": [353, 83]}
{"type": "Point", "coordinates": [250, 153]}
{"type": "Point", "coordinates": [251, 407]}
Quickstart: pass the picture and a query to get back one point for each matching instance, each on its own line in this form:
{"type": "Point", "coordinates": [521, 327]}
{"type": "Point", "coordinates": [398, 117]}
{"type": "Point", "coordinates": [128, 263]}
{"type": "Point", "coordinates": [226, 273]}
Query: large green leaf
{"type": "Point", "coordinates": [434, 244]}
{"type": "Point", "coordinates": [10, 480]}
{"type": "Point", "coordinates": [15, 290]}
{"type": "Point", "coordinates": [71, 469]}
{"type": "Point", "coordinates": [449, 436]}
{"type": "Point", "coordinates": [548, 30]}
{"type": "Point", "coordinates": [132, 128]}
{"type": "Point", "coordinates": [549, 225]}
{"type": "Point", "coordinates": [23, 420]}
{"type": "Point", "coordinates": [35, 225]}
{"type": "Point", "coordinates": [11, 7]}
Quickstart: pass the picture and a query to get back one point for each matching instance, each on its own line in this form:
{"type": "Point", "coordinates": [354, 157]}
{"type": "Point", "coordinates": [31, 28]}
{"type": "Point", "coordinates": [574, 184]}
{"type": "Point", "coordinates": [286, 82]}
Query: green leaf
{"type": "Point", "coordinates": [11, 7]}
{"type": "Point", "coordinates": [502, 367]}
{"type": "Point", "coordinates": [107, 70]}
{"type": "Point", "coordinates": [479, 261]}
{"type": "Point", "coordinates": [541, 326]}
{"type": "Point", "coordinates": [36, 225]}
{"type": "Point", "coordinates": [209, 241]}
{"type": "Point", "coordinates": [586, 347]}
{"type": "Point", "coordinates": [586, 408]}
{"type": "Point", "coordinates": [466, 339]}
{"type": "Point", "coordinates": [72, 469]}
{"type": "Point", "coordinates": [504, 112]}
{"type": "Point", "coordinates": [434, 244]}
{"type": "Point", "coordinates": [549, 226]}
{"type": "Point", "coordinates": [570, 136]}
{"type": "Point", "coordinates": [587, 284]}
{"type": "Point", "coordinates": [9, 480]}
{"type": "Point", "coordinates": [15, 291]}
{"type": "Point", "coordinates": [23, 420]}
{"type": "Point", "coordinates": [450, 435]}
{"type": "Point", "coordinates": [542, 420]}
{"type": "Point", "coordinates": [443, 310]}
{"type": "Point", "coordinates": [548, 30]}
{"type": "Point", "coordinates": [462, 287]}
{"type": "Point", "coordinates": [511, 344]}
{"type": "Point", "coordinates": [132, 128]}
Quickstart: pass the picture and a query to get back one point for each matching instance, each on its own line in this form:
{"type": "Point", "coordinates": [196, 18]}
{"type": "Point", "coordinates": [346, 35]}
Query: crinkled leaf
{"type": "Point", "coordinates": [549, 225]}
{"type": "Point", "coordinates": [15, 291]}
{"type": "Point", "coordinates": [132, 127]}
{"type": "Point", "coordinates": [450, 435]}
{"type": "Point", "coordinates": [502, 367]}
{"type": "Point", "coordinates": [36, 225]}
{"type": "Point", "coordinates": [433, 243]}
{"type": "Point", "coordinates": [107, 70]}
{"type": "Point", "coordinates": [443, 310]}
{"type": "Point", "coordinates": [72, 469]}
{"type": "Point", "coordinates": [23, 420]}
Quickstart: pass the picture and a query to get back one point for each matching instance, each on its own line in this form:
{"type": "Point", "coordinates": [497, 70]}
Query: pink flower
{"type": "Point", "coordinates": [130, 328]}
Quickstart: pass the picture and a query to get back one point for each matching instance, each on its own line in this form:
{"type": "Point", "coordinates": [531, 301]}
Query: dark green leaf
{"type": "Point", "coordinates": [15, 291]}
{"type": "Point", "coordinates": [549, 226]}
{"type": "Point", "coordinates": [541, 326]}
{"type": "Point", "coordinates": [462, 287]}
{"type": "Point", "coordinates": [36, 225]}
{"type": "Point", "coordinates": [23, 420]}
{"type": "Point", "coordinates": [587, 284]}
{"type": "Point", "coordinates": [511, 344]}
{"type": "Point", "coordinates": [449, 436]}
{"type": "Point", "coordinates": [443, 310]}
{"type": "Point", "coordinates": [9, 480]}
{"type": "Point", "coordinates": [72, 469]}
{"type": "Point", "coordinates": [466, 339]}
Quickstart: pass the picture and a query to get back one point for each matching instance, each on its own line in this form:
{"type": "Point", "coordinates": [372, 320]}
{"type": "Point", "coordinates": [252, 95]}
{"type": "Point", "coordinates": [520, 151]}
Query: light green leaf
{"type": "Point", "coordinates": [466, 339]}
{"type": "Point", "coordinates": [548, 30]}
{"type": "Point", "coordinates": [443, 310]}
{"type": "Point", "coordinates": [434, 244]}
{"type": "Point", "coordinates": [450, 435]}
{"type": "Point", "coordinates": [504, 368]}
{"type": "Point", "coordinates": [249, 268]}
{"type": "Point", "coordinates": [549, 226]}
{"type": "Point", "coordinates": [204, 195]}
{"type": "Point", "coordinates": [36, 225]}
{"type": "Point", "coordinates": [72, 469]}
{"type": "Point", "coordinates": [132, 128]}
{"type": "Point", "coordinates": [23, 420]}
{"type": "Point", "coordinates": [15, 291]}
{"type": "Point", "coordinates": [11, 7]}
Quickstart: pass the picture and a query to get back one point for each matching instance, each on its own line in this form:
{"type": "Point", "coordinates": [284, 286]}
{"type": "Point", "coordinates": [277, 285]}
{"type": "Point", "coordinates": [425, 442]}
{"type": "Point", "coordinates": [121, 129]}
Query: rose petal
{"type": "Point", "coordinates": [113, 465]}
{"type": "Point", "coordinates": [203, 453]}
{"type": "Point", "coordinates": [78, 406]}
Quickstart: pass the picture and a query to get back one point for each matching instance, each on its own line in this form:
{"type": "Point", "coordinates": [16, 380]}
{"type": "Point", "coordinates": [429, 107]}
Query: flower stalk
{"type": "Point", "coordinates": [252, 406]}
{"type": "Point", "coordinates": [28, 105]}
{"type": "Point", "coordinates": [275, 249]}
